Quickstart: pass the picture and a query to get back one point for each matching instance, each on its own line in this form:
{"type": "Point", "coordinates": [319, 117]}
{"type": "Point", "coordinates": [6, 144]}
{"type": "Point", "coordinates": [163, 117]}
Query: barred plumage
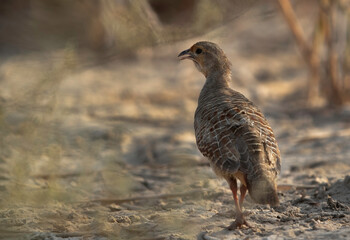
{"type": "Point", "coordinates": [234, 135]}
{"type": "Point", "coordinates": [232, 132]}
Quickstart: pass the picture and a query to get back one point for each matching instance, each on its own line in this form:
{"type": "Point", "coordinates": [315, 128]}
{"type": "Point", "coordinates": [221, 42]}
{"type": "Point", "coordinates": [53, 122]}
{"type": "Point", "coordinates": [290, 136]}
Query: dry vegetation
{"type": "Point", "coordinates": [96, 118]}
{"type": "Point", "coordinates": [327, 56]}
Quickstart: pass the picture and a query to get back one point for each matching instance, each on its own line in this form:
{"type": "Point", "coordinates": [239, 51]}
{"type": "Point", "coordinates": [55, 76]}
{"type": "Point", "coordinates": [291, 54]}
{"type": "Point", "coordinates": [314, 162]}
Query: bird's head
{"type": "Point", "coordinates": [208, 58]}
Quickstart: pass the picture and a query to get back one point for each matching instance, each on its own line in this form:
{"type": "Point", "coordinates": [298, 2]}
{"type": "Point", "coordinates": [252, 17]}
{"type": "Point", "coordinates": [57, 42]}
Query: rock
{"type": "Point", "coordinates": [114, 207]}
{"type": "Point", "coordinates": [347, 181]}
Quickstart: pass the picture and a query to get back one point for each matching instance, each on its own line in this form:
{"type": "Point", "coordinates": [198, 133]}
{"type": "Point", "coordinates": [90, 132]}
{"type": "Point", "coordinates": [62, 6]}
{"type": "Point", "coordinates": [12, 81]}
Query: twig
{"type": "Point", "coordinates": [334, 92]}
{"type": "Point", "coordinates": [287, 187]}
{"type": "Point", "coordinates": [145, 121]}
{"type": "Point", "coordinates": [318, 40]}
{"type": "Point", "coordinates": [309, 53]}
{"type": "Point", "coordinates": [323, 32]}
{"type": "Point", "coordinates": [160, 196]}
{"type": "Point", "coordinates": [283, 188]}
{"type": "Point", "coordinates": [295, 27]}
{"type": "Point", "coordinates": [11, 234]}
{"type": "Point", "coordinates": [63, 175]}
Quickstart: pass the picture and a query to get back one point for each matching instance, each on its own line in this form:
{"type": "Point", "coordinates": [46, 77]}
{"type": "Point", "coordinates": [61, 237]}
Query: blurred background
{"type": "Point", "coordinates": [96, 111]}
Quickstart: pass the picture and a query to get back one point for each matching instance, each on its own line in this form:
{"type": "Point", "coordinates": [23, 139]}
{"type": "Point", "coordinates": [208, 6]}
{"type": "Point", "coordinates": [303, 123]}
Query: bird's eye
{"type": "Point", "coordinates": [199, 51]}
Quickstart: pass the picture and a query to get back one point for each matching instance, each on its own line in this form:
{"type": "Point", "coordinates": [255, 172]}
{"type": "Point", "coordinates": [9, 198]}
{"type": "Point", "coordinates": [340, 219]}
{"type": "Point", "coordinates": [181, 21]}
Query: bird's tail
{"type": "Point", "coordinates": [263, 190]}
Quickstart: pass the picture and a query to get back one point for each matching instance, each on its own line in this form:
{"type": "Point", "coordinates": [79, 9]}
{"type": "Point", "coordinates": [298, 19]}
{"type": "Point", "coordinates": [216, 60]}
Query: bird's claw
{"type": "Point", "coordinates": [238, 223]}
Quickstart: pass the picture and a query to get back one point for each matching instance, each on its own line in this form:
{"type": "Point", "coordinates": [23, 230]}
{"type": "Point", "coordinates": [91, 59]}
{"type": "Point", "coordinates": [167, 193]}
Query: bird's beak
{"type": "Point", "coordinates": [187, 54]}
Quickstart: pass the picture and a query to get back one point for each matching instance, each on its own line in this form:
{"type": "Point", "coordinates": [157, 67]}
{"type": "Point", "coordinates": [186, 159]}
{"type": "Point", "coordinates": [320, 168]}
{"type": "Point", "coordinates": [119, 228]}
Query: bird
{"type": "Point", "coordinates": [233, 133]}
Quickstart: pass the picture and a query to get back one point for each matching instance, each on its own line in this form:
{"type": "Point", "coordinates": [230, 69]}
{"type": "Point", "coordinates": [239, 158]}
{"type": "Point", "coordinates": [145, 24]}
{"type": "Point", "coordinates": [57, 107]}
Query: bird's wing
{"type": "Point", "coordinates": [215, 142]}
{"type": "Point", "coordinates": [256, 142]}
{"type": "Point", "coordinates": [238, 137]}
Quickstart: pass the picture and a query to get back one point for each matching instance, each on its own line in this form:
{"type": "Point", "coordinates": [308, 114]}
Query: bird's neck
{"type": "Point", "coordinates": [214, 84]}
{"type": "Point", "coordinates": [218, 79]}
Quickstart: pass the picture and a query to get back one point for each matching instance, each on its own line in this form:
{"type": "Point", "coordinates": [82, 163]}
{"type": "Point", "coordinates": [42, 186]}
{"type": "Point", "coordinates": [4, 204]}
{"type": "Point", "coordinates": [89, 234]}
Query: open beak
{"type": "Point", "coordinates": [187, 54]}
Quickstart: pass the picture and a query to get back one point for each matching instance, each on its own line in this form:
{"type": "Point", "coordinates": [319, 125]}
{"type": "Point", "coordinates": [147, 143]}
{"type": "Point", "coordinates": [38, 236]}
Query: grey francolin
{"type": "Point", "coordinates": [233, 133]}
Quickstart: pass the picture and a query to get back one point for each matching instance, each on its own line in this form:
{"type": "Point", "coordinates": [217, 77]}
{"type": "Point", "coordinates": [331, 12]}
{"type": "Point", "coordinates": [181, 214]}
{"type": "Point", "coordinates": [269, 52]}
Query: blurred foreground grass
{"type": "Point", "coordinates": [62, 165]}
{"type": "Point", "coordinates": [36, 151]}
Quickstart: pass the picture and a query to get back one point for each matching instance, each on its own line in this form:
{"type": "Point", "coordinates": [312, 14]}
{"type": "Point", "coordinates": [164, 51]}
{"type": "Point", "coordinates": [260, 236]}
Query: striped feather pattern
{"type": "Point", "coordinates": [235, 136]}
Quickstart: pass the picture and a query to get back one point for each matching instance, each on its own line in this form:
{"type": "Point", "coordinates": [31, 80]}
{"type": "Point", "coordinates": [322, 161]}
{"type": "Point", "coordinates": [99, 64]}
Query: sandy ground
{"type": "Point", "coordinates": [108, 152]}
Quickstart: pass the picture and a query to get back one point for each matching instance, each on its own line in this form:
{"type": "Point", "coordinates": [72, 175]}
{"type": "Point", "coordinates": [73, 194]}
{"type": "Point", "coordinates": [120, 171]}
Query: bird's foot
{"type": "Point", "coordinates": [240, 222]}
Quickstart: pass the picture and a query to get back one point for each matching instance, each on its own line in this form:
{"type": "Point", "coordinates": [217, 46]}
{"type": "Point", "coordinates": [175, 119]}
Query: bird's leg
{"type": "Point", "coordinates": [243, 193]}
{"type": "Point", "coordinates": [240, 221]}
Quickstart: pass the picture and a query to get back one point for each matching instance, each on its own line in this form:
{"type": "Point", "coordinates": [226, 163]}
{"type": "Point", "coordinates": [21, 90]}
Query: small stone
{"type": "Point", "coordinates": [347, 181]}
{"type": "Point", "coordinates": [134, 218]}
{"type": "Point", "coordinates": [115, 208]}
{"type": "Point", "coordinates": [111, 219]}
{"type": "Point", "coordinates": [321, 192]}
{"type": "Point", "coordinates": [122, 219]}
{"type": "Point", "coordinates": [70, 216]}
{"type": "Point", "coordinates": [319, 180]}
